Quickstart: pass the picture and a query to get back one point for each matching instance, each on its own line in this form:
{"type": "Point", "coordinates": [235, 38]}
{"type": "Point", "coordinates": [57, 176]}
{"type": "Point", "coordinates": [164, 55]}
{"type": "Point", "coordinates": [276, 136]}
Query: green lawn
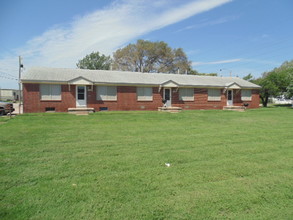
{"type": "Point", "coordinates": [111, 165]}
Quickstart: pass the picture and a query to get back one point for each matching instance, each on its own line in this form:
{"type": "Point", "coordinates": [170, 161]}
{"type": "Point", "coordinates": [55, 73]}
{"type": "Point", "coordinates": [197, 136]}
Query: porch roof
{"type": "Point", "coordinates": [63, 75]}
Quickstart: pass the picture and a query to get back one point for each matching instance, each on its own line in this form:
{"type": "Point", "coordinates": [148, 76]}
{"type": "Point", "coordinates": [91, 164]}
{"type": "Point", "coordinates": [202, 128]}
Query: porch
{"type": "Point", "coordinates": [81, 111]}
{"type": "Point", "coordinates": [234, 108]}
{"type": "Point", "coordinates": [170, 109]}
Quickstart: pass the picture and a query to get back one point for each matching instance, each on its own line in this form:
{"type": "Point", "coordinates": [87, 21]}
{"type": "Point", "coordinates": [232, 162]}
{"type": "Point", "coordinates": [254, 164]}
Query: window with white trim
{"type": "Point", "coordinates": [50, 92]}
{"type": "Point", "coordinates": [214, 95]}
{"type": "Point", "coordinates": [107, 93]}
{"type": "Point", "coordinates": [144, 93]}
{"type": "Point", "coordinates": [186, 94]}
{"type": "Point", "coordinates": [246, 95]}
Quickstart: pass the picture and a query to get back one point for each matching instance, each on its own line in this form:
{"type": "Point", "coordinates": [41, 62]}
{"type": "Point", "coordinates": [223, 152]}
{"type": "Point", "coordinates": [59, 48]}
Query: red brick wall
{"type": "Point", "coordinates": [127, 99]}
{"type": "Point", "coordinates": [254, 103]}
{"type": "Point", "coordinates": [33, 103]}
{"type": "Point", "coordinates": [200, 100]}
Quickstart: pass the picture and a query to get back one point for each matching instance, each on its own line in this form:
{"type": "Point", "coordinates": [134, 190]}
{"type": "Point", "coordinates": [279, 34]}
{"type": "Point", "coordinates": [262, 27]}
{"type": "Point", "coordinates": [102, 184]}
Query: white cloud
{"type": "Point", "coordinates": [206, 23]}
{"type": "Point", "coordinates": [104, 30]}
{"type": "Point", "coordinates": [265, 62]}
{"type": "Point", "coordinates": [216, 62]}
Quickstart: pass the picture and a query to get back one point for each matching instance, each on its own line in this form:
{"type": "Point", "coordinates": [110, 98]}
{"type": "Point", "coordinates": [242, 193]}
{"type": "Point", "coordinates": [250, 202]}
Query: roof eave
{"type": "Point", "coordinates": [133, 84]}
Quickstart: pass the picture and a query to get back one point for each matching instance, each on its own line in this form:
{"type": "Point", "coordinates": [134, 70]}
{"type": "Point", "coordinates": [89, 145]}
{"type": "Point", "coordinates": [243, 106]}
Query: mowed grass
{"type": "Point", "coordinates": [111, 165]}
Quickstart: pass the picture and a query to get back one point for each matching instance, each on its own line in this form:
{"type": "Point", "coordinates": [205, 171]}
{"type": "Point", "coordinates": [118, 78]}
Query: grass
{"type": "Point", "coordinates": [111, 165]}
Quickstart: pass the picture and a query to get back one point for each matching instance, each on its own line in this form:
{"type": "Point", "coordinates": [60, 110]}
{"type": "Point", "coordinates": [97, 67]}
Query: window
{"type": "Point", "coordinates": [214, 95]}
{"type": "Point", "coordinates": [50, 109]}
{"type": "Point", "coordinates": [103, 108]}
{"type": "Point", "coordinates": [246, 95]}
{"type": "Point", "coordinates": [186, 94]}
{"type": "Point", "coordinates": [144, 93]}
{"type": "Point", "coordinates": [107, 93]}
{"type": "Point", "coordinates": [50, 92]}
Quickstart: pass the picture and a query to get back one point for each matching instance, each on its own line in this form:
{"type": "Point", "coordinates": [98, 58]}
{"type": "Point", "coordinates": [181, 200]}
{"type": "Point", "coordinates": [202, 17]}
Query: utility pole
{"type": "Point", "coordinates": [19, 83]}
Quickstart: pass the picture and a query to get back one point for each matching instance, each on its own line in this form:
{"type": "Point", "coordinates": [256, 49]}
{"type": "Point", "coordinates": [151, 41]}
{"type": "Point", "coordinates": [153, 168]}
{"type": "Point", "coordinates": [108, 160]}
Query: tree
{"type": "Point", "coordinates": [95, 61]}
{"type": "Point", "coordinates": [277, 82]}
{"type": "Point", "coordinates": [289, 92]}
{"type": "Point", "coordinates": [286, 85]}
{"type": "Point", "coordinates": [248, 77]}
{"type": "Point", "coordinates": [147, 56]}
{"type": "Point", "coordinates": [194, 72]}
{"type": "Point", "coordinates": [268, 88]}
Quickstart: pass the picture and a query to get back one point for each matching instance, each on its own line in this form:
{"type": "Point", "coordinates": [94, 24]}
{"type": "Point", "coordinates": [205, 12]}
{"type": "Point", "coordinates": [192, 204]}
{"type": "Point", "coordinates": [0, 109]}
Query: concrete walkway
{"type": "Point", "coordinates": [17, 109]}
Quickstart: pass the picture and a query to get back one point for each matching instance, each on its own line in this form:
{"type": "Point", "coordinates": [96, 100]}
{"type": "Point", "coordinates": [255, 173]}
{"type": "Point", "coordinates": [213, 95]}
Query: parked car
{"type": "Point", "coordinates": [6, 107]}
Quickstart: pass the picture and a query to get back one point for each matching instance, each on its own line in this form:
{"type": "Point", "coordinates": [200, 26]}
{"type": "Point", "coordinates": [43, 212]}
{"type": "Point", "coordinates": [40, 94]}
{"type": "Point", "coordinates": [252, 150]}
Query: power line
{"type": "Point", "coordinates": [6, 74]}
{"type": "Point", "coordinates": [7, 69]}
{"type": "Point", "coordinates": [5, 77]}
{"type": "Point", "coordinates": [8, 77]}
{"type": "Point", "coordinates": [269, 55]}
{"type": "Point", "coordinates": [267, 51]}
{"type": "Point", "coordinates": [264, 49]}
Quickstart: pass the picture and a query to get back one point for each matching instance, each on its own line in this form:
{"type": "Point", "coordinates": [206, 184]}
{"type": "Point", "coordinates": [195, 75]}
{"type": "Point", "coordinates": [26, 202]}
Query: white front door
{"type": "Point", "coordinates": [80, 96]}
{"type": "Point", "coordinates": [168, 97]}
{"type": "Point", "coordinates": [230, 97]}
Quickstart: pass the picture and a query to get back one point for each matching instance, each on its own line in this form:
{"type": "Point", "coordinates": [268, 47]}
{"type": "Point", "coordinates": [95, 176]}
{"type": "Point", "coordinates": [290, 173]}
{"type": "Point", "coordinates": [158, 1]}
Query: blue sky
{"type": "Point", "coordinates": [238, 36]}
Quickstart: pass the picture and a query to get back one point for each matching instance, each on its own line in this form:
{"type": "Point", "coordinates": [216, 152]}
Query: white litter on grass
{"type": "Point", "coordinates": [168, 164]}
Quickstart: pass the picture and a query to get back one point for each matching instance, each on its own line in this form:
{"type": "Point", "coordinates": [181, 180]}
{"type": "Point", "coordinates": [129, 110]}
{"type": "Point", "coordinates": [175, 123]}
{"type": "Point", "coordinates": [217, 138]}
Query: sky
{"type": "Point", "coordinates": [226, 37]}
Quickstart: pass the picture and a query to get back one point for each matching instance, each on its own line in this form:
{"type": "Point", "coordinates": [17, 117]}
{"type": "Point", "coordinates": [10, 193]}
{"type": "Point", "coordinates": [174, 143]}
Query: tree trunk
{"type": "Point", "coordinates": [264, 101]}
{"type": "Point", "coordinates": [267, 100]}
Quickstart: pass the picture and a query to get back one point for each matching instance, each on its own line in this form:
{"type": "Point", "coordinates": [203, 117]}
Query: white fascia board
{"type": "Point", "coordinates": [170, 84]}
{"type": "Point", "coordinates": [43, 82]}
{"type": "Point", "coordinates": [233, 85]}
{"type": "Point", "coordinates": [80, 81]}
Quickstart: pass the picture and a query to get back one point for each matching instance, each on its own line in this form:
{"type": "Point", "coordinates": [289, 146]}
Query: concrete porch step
{"type": "Point", "coordinates": [234, 108]}
{"type": "Point", "coordinates": [170, 109]}
{"type": "Point", "coordinates": [81, 111]}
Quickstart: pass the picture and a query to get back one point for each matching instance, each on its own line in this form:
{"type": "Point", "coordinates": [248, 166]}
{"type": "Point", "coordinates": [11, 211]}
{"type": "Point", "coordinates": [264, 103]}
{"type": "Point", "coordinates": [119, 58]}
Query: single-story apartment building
{"type": "Point", "coordinates": [58, 89]}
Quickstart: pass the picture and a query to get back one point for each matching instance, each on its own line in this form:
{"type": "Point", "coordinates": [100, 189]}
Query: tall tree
{"type": "Point", "coordinates": [147, 56]}
{"type": "Point", "coordinates": [277, 82]}
{"type": "Point", "coordinates": [95, 61]}
{"type": "Point", "coordinates": [268, 88]}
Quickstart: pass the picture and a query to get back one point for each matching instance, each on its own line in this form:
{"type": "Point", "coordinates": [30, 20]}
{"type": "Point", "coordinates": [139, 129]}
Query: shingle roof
{"type": "Point", "coordinates": [63, 75]}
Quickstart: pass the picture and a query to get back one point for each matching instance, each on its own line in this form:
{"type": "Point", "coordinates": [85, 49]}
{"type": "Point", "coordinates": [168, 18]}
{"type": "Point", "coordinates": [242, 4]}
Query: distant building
{"type": "Point", "coordinates": [280, 100]}
{"type": "Point", "coordinates": [9, 94]}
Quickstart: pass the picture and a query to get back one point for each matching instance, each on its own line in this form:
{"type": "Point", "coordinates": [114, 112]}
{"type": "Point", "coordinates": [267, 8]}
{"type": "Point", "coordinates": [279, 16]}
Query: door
{"type": "Point", "coordinates": [80, 96]}
{"type": "Point", "coordinates": [230, 97]}
{"type": "Point", "coordinates": [167, 97]}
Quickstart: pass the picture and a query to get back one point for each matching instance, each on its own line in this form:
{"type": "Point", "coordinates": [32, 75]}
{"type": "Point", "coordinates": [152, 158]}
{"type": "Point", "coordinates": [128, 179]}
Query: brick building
{"type": "Point", "coordinates": [58, 89]}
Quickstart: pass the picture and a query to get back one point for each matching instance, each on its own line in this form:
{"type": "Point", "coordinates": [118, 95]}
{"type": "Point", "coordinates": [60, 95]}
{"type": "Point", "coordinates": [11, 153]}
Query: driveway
{"type": "Point", "coordinates": [16, 107]}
